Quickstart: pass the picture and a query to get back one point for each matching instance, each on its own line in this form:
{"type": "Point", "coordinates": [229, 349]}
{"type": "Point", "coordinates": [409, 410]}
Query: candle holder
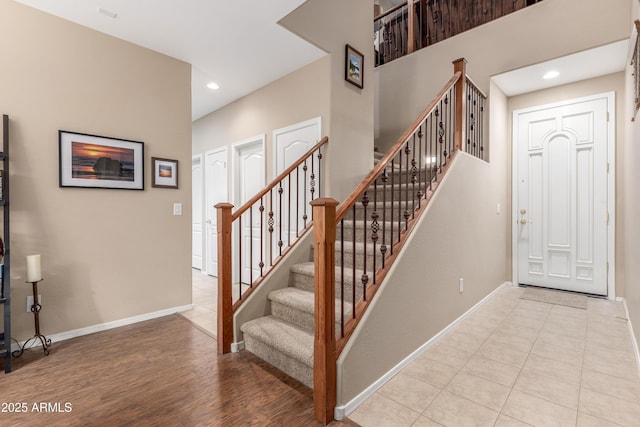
{"type": "Point", "coordinates": [35, 309]}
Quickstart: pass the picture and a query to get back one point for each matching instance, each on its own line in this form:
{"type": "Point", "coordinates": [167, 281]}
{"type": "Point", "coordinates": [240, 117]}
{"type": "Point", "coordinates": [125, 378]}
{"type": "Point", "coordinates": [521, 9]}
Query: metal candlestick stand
{"type": "Point", "coordinates": [35, 309]}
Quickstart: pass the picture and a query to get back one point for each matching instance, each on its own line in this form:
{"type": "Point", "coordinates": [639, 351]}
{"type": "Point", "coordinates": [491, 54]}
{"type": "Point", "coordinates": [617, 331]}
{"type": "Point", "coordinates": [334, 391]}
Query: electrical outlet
{"type": "Point", "coordinates": [461, 285]}
{"type": "Point", "coordinates": [30, 302]}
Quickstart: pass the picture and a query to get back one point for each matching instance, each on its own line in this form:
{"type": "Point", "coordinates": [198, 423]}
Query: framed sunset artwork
{"type": "Point", "coordinates": [93, 161]}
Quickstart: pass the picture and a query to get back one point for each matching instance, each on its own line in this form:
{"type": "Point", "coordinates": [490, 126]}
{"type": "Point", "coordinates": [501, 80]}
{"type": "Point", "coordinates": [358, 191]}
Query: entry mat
{"type": "Point", "coordinates": [555, 297]}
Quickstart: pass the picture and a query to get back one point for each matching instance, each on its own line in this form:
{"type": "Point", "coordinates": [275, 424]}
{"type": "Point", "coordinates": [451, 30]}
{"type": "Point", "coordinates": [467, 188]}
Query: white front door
{"type": "Point", "coordinates": [291, 143]}
{"type": "Point", "coordinates": [216, 191]}
{"type": "Point", "coordinates": [561, 205]}
{"type": "Point", "coordinates": [196, 221]}
{"type": "Point", "coordinates": [249, 179]}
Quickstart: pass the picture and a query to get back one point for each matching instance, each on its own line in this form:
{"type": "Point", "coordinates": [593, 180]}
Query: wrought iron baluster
{"type": "Point", "coordinates": [240, 256]}
{"type": "Point", "coordinates": [375, 227]}
{"type": "Point", "coordinates": [297, 201]}
{"type": "Point", "coordinates": [319, 173]}
{"type": "Point", "coordinates": [383, 246]}
{"type": "Point", "coordinates": [271, 223]}
{"type": "Point", "coordinates": [353, 258]}
{"type": "Point", "coordinates": [304, 202]}
{"type": "Point", "coordinates": [289, 210]}
{"type": "Point", "coordinates": [261, 264]}
{"type": "Point", "coordinates": [393, 190]}
{"type": "Point", "coordinates": [407, 171]}
{"type": "Point", "coordinates": [342, 278]}
{"type": "Point", "coordinates": [420, 167]}
{"type": "Point", "coordinates": [280, 191]}
{"type": "Point", "coordinates": [414, 173]}
{"type": "Point", "coordinates": [364, 279]}
{"type": "Point", "coordinates": [251, 246]}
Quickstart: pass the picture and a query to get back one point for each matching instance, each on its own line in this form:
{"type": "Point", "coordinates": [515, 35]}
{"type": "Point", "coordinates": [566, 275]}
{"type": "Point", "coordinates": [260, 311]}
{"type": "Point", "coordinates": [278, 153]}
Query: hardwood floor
{"type": "Point", "coordinates": [163, 372]}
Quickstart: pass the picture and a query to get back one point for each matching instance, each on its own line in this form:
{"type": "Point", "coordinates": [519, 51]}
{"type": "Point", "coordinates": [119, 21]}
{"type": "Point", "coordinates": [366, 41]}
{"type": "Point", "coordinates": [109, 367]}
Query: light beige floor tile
{"type": "Point", "coordinates": [539, 365]}
{"type": "Point", "coordinates": [492, 370]}
{"type": "Point", "coordinates": [462, 341]}
{"type": "Point", "coordinates": [451, 410]}
{"type": "Point", "coordinates": [435, 373]}
{"type": "Point", "coordinates": [548, 388]}
{"type": "Point", "coordinates": [622, 388]}
{"type": "Point", "coordinates": [478, 330]}
{"type": "Point", "coordinates": [505, 421]}
{"type": "Point", "coordinates": [423, 421]}
{"type": "Point", "coordinates": [586, 420]}
{"type": "Point", "coordinates": [605, 307]}
{"type": "Point", "coordinates": [479, 390]}
{"type": "Point", "coordinates": [560, 354]}
{"type": "Point", "coordinates": [530, 332]}
{"type": "Point", "coordinates": [563, 341]}
{"type": "Point", "coordinates": [502, 353]}
{"type": "Point", "coordinates": [516, 342]}
{"type": "Point", "coordinates": [410, 392]}
{"type": "Point", "coordinates": [536, 411]}
{"type": "Point", "coordinates": [379, 411]}
{"type": "Point", "coordinates": [609, 408]}
{"type": "Point", "coordinates": [568, 329]}
{"type": "Point", "coordinates": [623, 368]}
{"type": "Point", "coordinates": [535, 317]}
{"type": "Point", "coordinates": [564, 311]}
{"type": "Point", "coordinates": [447, 354]}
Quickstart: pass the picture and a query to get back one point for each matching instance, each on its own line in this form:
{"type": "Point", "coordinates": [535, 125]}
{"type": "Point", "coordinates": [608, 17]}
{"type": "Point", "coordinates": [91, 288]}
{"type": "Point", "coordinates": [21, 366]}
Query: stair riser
{"type": "Point", "coordinates": [285, 363]}
{"type": "Point", "coordinates": [300, 318]}
{"type": "Point", "coordinates": [359, 261]}
{"type": "Point", "coordinates": [397, 192]}
{"type": "Point", "coordinates": [359, 233]}
{"type": "Point", "coordinates": [305, 282]}
{"type": "Point", "coordinates": [392, 211]}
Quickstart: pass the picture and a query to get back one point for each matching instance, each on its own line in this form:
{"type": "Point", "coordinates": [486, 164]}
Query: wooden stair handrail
{"type": "Point", "coordinates": [384, 162]}
{"type": "Point", "coordinates": [242, 209]}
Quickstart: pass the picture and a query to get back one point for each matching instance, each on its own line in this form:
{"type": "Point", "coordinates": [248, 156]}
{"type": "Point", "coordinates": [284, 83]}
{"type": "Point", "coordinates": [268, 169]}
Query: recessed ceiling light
{"type": "Point", "coordinates": [213, 86]}
{"type": "Point", "coordinates": [105, 12]}
{"type": "Point", "coordinates": [551, 75]}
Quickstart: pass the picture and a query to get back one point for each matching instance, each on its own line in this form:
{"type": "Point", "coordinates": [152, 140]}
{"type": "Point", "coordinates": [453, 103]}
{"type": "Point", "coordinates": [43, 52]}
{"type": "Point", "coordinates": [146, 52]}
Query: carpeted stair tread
{"type": "Point", "coordinates": [283, 337]}
{"type": "Point", "coordinates": [302, 300]}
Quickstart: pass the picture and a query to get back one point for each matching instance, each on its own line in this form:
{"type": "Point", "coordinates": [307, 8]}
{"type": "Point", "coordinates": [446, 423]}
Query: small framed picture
{"type": "Point", "coordinates": [165, 173]}
{"type": "Point", "coordinates": [93, 161]}
{"type": "Point", "coordinates": [354, 71]}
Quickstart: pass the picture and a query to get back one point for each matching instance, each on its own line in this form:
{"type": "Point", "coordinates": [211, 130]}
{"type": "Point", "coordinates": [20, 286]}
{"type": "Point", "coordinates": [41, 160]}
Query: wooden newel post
{"type": "Point", "coordinates": [324, 353]}
{"type": "Point", "coordinates": [225, 303]}
{"type": "Point", "coordinates": [461, 102]}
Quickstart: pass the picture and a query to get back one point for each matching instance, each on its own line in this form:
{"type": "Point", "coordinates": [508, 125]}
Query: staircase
{"type": "Point", "coordinates": [285, 338]}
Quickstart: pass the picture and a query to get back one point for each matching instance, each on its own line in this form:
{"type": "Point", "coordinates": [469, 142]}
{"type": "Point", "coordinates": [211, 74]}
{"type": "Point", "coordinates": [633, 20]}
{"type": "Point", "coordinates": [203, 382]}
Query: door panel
{"type": "Point", "coordinates": [291, 143]}
{"type": "Point", "coordinates": [196, 221]}
{"type": "Point", "coordinates": [249, 173]}
{"type": "Point", "coordinates": [562, 196]}
{"type": "Point", "coordinates": [216, 192]}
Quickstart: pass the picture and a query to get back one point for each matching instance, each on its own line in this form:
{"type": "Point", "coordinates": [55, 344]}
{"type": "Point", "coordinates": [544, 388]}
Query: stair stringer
{"type": "Point", "coordinates": [257, 304]}
{"type": "Point", "coordinates": [406, 313]}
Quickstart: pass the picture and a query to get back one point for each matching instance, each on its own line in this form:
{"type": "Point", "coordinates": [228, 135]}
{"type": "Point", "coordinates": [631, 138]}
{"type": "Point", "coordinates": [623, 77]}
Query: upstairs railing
{"type": "Point", "coordinates": [355, 246]}
{"type": "Point", "coordinates": [416, 24]}
{"type": "Point", "coordinates": [254, 239]}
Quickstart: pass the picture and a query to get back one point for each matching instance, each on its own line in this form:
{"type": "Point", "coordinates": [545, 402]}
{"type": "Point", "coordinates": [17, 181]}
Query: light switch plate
{"type": "Point", "coordinates": [177, 208]}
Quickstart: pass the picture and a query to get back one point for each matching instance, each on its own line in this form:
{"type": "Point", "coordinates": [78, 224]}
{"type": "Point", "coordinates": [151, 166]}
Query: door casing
{"type": "Point", "coordinates": [611, 189]}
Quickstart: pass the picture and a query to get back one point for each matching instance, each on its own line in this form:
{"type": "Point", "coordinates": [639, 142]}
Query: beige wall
{"type": "Point", "coordinates": [546, 30]}
{"type": "Point", "coordinates": [631, 210]}
{"type": "Point", "coordinates": [330, 24]}
{"type": "Point", "coordinates": [460, 236]}
{"type": "Point", "coordinates": [106, 254]}
{"type": "Point", "coordinates": [299, 96]}
{"type": "Point", "coordinates": [609, 83]}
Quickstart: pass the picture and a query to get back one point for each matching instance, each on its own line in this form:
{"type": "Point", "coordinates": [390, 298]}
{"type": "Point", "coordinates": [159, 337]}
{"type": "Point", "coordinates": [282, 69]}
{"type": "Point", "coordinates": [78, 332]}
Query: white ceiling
{"type": "Point", "coordinates": [236, 43]}
{"type": "Point", "coordinates": [583, 65]}
{"type": "Point", "coordinates": [239, 44]}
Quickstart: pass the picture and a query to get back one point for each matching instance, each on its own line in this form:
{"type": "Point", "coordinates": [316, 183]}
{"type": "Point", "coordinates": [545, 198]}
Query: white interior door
{"type": "Point", "coordinates": [290, 144]}
{"type": "Point", "coordinates": [216, 189]}
{"type": "Point", "coordinates": [197, 176]}
{"type": "Point", "coordinates": [561, 210]}
{"type": "Point", "coordinates": [249, 179]}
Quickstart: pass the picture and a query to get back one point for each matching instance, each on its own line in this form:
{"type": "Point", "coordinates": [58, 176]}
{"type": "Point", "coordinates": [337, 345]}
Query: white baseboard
{"type": "Point", "coordinates": [341, 412]}
{"type": "Point", "coordinates": [110, 325]}
{"type": "Point", "coordinates": [634, 342]}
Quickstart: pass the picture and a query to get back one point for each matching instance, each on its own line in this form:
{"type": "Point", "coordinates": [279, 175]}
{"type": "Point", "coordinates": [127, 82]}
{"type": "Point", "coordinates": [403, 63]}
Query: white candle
{"type": "Point", "coordinates": [34, 273]}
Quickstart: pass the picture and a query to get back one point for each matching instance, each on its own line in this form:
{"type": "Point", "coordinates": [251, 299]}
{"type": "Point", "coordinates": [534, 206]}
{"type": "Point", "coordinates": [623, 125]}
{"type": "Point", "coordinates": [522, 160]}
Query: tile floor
{"type": "Point", "coordinates": [516, 362]}
{"type": "Point", "coordinates": [205, 300]}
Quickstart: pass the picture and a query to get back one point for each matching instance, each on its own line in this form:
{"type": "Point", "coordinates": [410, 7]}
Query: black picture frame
{"type": "Point", "coordinates": [94, 161]}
